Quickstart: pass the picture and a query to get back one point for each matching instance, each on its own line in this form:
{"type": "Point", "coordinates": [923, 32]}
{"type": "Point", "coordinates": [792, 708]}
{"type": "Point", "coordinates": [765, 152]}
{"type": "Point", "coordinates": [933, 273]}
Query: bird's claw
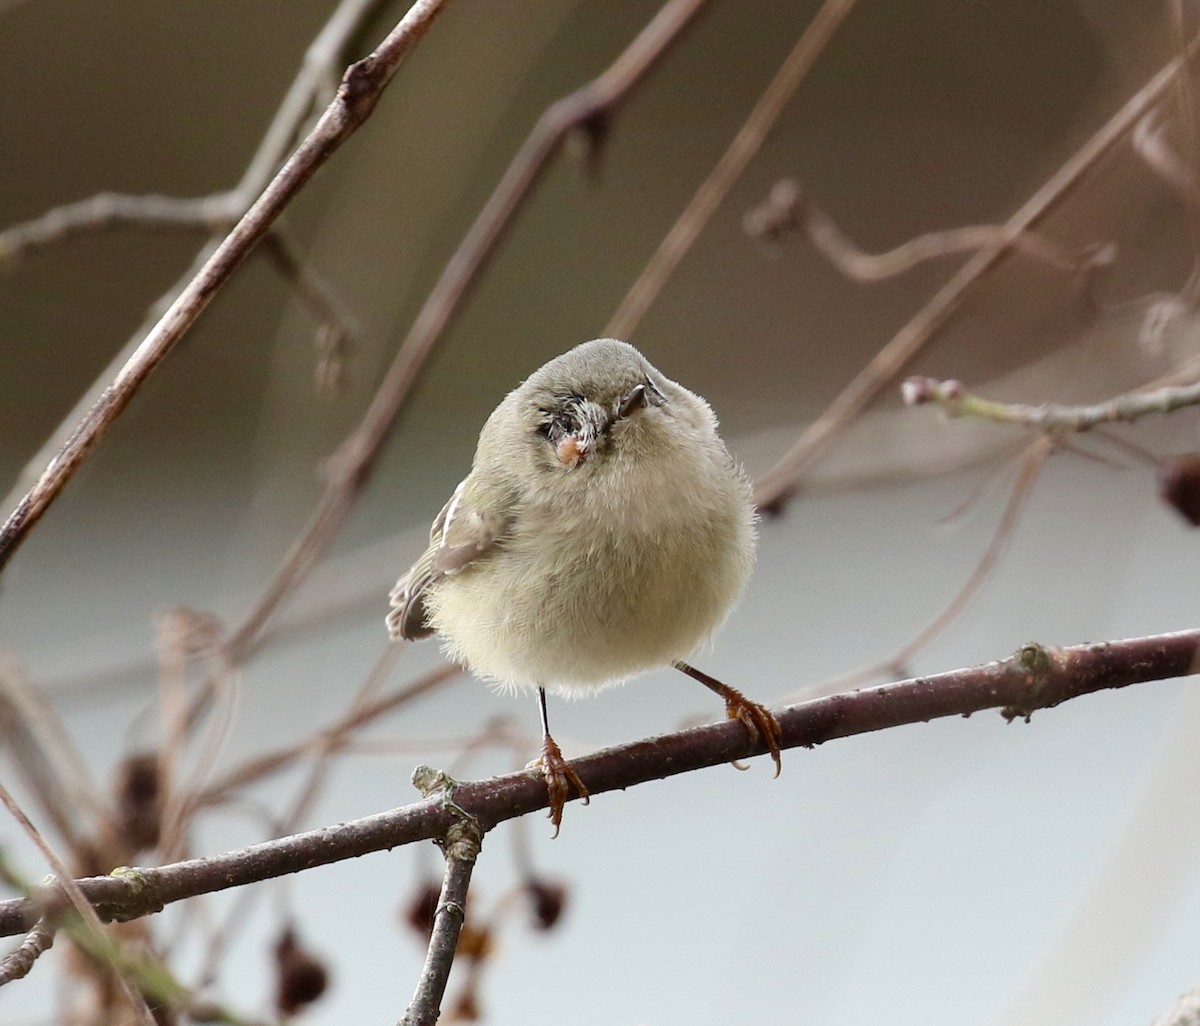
{"type": "Point", "coordinates": [759, 721]}
{"type": "Point", "coordinates": [560, 778]}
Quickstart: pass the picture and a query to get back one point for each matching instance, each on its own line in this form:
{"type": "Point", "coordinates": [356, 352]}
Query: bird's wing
{"type": "Point", "coordinates": [466, 530]}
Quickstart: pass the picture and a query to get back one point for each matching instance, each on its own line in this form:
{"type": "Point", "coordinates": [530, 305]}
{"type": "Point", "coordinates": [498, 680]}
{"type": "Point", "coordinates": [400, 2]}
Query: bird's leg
{"type": "Point", "coordinates": [557, 771]}
{"type": "Point", "coordinates": [759, 721]}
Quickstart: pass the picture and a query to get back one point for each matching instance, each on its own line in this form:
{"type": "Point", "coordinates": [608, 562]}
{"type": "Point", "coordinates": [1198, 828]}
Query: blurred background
{"type": "Point", "coordinates": [965, 871]}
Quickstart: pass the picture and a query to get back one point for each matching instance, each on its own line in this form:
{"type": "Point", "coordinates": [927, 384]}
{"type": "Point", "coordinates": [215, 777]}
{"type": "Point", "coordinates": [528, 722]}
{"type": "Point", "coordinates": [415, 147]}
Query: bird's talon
{"type": "Point", "coordinates": [560, 778]}
{"type": "Point", "coordinates": [759, 721]}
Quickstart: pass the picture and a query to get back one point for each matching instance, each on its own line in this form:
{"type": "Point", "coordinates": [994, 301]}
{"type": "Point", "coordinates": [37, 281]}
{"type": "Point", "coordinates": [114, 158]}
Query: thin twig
{"type": "Point", "coordinates": [1031, 465]}
{"type": "Point", "coordinates": [728, 169]}
{"type": "Point", "coordinates": [360, 90]}
{"type": "Point", "coordinates": [351, 466]}
{"type": "Point", "coordinates": [111, 209]}
{"type": "Point", "coordinates": [778, 484]}
{"type": "Point", "coordinates": [65, 886]}
{"type": "Point", "coordinates": [461, 849]}
{"type": "Point", "coordinates": [316, 78]}
{"type": "Point", "coordinates": [16, 964]}
{"type": "Point", "coordinates": [333, 736]}
{"type": "Point", "coordinates": [789, 208]}
{"type": "Point", "coordinates": [335, 333]}
{"type": "Point", "coordinates": [1034, 678]}
{"type": "Point", "coordinates": [952, 397]}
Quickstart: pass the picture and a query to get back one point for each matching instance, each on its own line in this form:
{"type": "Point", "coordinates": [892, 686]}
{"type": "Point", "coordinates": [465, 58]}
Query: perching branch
{"type": "Point", "coordinates": [361, 87]}
{"type": "Point", "coordinates": [1034, 678]}
{"type": "Point", "coordinates": [952, 397]}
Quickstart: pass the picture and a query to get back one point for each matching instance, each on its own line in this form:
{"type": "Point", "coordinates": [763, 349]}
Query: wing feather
{"type": "Point", "coordinates": [464, 532]}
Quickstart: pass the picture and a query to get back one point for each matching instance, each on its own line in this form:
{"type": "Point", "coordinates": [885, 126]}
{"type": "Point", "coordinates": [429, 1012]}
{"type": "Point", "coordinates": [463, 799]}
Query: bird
{"type": "Point", "coordinates": [604, 530]}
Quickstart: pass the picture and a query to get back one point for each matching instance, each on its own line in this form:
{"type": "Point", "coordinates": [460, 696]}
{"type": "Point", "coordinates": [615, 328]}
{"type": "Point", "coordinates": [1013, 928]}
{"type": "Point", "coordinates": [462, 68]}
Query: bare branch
{"type": "Point", "coordinates": [461, 848]}
{"type": "Point", "coordinates": [73, 898]}
{"type": "Point", "coordinates": [1049, 417]}
{"type": "Point", "coordinates": [16, 964]}
{"type": "Point", "coordinates": [789, 208]}
{"type": "Point", "coordinates": [778, 484]}
{"type": "Point", "coordinates": [1034, 678]}
{"type": "Point", "coordinates": [316, 78]}
{"type": "Point", "coordinates": [729, 168]}
{"type": "Point", "coordinates": [360, 90]}
{"type": "Point", "coordinates": [1149, 143]}
{"type": "Point", "coordinates": [110, 209]}
{"type": "Point", "coordinates": [335, 333]}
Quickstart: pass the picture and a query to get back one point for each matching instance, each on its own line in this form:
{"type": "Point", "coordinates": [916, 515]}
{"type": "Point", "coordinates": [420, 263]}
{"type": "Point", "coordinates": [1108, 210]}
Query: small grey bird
{"type": "Point", "coordinates": [604, 530]}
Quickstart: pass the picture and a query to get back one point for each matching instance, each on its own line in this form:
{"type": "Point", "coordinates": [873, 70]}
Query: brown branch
{"type": "Point", "coordinates": [335, 331]}
{"type": "Point", "coordinates": [461, 848]}
{"type": "Point", "coordinates": [1034, 678]}
{"type": "Point", "coordinates": [16, 964]}
{"type": "Point", "coordinates": [1052, 418]}
{"type": "Point", "coordinates": [110, 209]}
{"type": "Point", "coordinates": [72, 898]}
{"type": "Point", "coordinates": [728, 169]}
{"type": "Point", "coordinates": [315, 79]}
{"type": "Point", "coordinates": [361, 87]}
{"type": "Point", "coordinates": [779, 483]}
{"type": "Point", "coordinates": [586, 109]}
{"type": "Point", "coordinates": [788, 207]}
{"type": "Point", "coordinates": [331, 738]}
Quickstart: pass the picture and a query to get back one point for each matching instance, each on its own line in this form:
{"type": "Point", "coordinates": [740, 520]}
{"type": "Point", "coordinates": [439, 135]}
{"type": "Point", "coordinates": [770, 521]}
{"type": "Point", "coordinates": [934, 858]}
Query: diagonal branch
{"type": "Point", "coordinates": [361, 87]}
{"type": "Point", "coordinates": [736, 158]}
{"type": "Point", "coordinates": [1034, 678]}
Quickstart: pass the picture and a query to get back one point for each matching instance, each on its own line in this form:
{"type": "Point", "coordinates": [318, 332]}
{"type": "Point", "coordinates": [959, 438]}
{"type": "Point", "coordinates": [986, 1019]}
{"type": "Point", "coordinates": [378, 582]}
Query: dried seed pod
{"type": "Point", "coordinates": [302, 975]}
{"type": "Point", "coordinates": [1179, 485]}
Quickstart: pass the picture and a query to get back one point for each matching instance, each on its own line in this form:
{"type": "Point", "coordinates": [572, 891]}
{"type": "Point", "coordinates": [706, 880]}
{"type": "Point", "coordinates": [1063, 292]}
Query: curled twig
{"type": "Point", "coordinates": [789, 208]}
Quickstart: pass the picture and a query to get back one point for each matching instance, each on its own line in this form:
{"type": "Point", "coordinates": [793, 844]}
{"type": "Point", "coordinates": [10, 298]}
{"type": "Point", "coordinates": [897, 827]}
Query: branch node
{"type": "Point", "coordinates": [464, 836]}
{"type": "Point", "coordinates": [144, 897]}
{"type": "Point", "coordinates": [1034, 661]}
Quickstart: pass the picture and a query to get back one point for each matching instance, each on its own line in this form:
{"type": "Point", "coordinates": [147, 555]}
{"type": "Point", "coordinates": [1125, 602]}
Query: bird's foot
{"type": "Point", "coordinates": [560, 777]}
{"type": "Point", "coordinates": [759, 721]}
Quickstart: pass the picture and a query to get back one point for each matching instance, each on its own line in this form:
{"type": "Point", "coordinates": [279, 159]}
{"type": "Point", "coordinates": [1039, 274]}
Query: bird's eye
{"type": "Point", "coordinates": [553, 424]}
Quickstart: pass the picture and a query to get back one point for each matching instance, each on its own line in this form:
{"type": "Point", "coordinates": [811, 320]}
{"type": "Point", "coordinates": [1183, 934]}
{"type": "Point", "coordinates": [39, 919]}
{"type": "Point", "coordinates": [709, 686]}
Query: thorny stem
{"type": "Point", "coordinates": [1035, 678]}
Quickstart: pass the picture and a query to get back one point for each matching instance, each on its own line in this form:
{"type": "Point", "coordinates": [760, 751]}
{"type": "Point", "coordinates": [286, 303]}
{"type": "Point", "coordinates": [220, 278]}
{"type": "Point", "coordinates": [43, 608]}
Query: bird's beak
{"type": "Point", "coordinates": [574, 449]}
{"type": "Point", "coordinates": [635, 400]}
